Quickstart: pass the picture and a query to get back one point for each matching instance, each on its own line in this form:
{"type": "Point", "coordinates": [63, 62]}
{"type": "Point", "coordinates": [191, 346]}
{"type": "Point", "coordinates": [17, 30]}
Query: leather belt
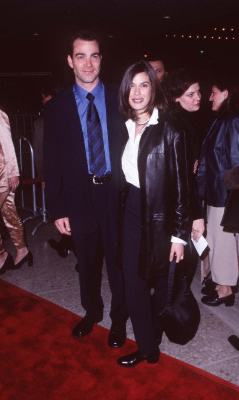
{"type": "Point", "coordinates": [99, 180]}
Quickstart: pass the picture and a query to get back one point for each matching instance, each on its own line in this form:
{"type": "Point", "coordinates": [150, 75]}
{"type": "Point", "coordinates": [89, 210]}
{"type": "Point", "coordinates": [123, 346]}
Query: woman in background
{"type": "Point", "coordinates": [9, 181]}
{"type": "Point", "coordinates": [220, 152]}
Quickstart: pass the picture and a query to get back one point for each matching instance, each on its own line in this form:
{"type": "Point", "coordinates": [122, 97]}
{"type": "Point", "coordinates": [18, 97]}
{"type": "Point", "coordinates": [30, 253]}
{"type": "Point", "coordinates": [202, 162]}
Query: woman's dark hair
{"type": "Point", "coordinates": [231, 84]}
{"type": "Point", "coordinates": [134, 69]}
{"type": "Point", "coordinates": [176, 84]}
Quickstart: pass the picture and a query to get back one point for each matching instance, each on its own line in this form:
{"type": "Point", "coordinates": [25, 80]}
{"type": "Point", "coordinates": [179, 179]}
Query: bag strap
{"type": "Point", "coordinates": [171, 279]}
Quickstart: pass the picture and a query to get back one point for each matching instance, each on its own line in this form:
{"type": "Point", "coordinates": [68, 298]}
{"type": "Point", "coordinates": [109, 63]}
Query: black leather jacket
{"type": "Point", "coordinates": [184, 122]}
{"type": "Point", "coordinates": [220, 152]}
{"type": "Point", "coordinates": [164, 194]}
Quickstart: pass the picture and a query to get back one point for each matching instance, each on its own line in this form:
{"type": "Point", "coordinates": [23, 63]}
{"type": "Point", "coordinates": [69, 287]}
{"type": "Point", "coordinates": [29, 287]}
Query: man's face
{"type": "Point", "coordinates": [85, 62]}
{"type": "Point", "coordinates": [159, 69]}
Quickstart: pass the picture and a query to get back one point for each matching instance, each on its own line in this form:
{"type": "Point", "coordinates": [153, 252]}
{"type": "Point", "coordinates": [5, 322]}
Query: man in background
{"type": "Point", "coordinates": [158, 65]}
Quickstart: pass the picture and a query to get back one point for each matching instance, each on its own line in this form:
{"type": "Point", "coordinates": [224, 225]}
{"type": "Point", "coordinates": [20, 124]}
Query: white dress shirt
{"type": "Point", "coordinates": [130, 156]}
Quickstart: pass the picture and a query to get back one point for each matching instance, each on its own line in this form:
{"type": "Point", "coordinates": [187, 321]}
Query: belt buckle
{"type": "Point", "coordinates": [94, 179]}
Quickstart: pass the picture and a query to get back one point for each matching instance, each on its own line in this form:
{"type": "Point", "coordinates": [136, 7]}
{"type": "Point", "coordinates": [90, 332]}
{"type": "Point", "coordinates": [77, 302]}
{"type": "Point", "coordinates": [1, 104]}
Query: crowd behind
{"type": "Point", "coordinates": [136, 176]}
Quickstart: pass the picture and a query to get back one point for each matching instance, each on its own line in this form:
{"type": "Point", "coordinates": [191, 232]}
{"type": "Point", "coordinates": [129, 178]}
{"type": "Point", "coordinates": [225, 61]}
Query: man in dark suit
{"type": "Point", "coordinates": [83, 137]}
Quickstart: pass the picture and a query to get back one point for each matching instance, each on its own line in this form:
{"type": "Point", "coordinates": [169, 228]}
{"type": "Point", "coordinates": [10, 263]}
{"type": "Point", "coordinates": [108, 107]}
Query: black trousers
{"type": "Point", "coordinates": [91, 248]}
{"type": "Point", "coordinates": [142, 305]}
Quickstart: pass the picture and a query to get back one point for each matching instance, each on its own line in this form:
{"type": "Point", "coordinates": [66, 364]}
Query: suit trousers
{"type": "Point", "coordinates": [142, 306]}
{"type": "Point", "coordinates": [11, 220]}
{"type": "Point", "coordinates": [91, 249]}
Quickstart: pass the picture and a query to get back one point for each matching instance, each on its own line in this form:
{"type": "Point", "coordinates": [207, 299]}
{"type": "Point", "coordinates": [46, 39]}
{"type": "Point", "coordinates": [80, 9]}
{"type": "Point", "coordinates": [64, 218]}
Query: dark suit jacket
{"type": "Point", "coordinates": [68, 188]}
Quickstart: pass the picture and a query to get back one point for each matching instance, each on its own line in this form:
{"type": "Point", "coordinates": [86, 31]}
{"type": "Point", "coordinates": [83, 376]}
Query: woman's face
{"type": "Point", "coordinates": [140, 92]}
{"type": "Point", "coordinates": [217, 97]}
{"type": "Point", "coordinates": [191, 98]}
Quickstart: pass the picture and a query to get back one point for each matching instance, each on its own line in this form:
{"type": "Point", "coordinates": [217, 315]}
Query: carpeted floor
{"type": "Point", "coordinates": [40, 360]}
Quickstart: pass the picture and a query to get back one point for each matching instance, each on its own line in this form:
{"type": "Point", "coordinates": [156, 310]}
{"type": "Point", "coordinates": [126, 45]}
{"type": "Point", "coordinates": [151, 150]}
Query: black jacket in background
{"type": "Point", "coordinates": [220, 152]}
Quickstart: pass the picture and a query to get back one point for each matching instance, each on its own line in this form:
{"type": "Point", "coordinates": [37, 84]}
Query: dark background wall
{"type": "Point", "coordinates": [33, 36]}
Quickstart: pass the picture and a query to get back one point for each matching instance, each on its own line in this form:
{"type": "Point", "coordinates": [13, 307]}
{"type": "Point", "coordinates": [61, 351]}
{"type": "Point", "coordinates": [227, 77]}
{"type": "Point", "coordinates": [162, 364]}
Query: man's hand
{"type": "Point", "coordinates": [13, 183]}
{"type": "Point", "coordinates": [197, 229]}
{"type": "Point", "coordinates": [177, 252]}
{"type": "Point", "coordinates": [63, 226]}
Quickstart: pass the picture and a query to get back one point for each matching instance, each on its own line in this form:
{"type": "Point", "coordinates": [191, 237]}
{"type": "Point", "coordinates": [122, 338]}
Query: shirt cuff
{"type": "Point", "coordinates": [175, 239]}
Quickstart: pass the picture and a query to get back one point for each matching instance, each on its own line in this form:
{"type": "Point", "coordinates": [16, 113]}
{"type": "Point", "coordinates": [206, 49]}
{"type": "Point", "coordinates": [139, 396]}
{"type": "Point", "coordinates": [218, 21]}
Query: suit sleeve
{"type": "Point", "coordinates": [52, 165]}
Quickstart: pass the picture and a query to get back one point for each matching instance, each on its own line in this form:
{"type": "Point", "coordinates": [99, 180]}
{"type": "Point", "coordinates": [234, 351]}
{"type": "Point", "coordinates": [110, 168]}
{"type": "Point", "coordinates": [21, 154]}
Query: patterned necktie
{"type": "Point", "coordinates": [95, 139]}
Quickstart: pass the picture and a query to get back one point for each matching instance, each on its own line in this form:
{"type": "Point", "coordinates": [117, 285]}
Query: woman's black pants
{"type": "Point", "coordinates": [138, 293]}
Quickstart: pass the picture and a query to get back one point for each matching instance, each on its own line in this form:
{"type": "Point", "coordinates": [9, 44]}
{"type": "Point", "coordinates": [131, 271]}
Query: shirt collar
{"type": "Point", "coordinates": [81, 92]}
{"type": "Point", "coordinates": [153, 120]}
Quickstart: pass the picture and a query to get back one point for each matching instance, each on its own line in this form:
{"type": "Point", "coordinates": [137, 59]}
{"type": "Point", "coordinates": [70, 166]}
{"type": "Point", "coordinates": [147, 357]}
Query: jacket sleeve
{"type": "Point", "coordinates": [233, 138]}
{"type": "Point", "coordinates": [52, 165]}
{"type": "Point", "coordinates": [181, 221]}
{"type": "Point", "coordinates": [12, 169]}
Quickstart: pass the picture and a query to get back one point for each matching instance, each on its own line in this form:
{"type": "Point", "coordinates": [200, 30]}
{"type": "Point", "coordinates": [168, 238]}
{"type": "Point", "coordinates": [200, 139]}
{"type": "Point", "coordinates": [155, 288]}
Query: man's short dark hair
{"type": "Point", "coordinates": [87, 35]}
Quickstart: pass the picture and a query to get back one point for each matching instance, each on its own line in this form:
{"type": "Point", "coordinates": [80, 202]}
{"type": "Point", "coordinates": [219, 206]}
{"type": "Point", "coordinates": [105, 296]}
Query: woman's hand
{"type": "Point", "coordinates": [197, 229]}
{"type": "Point", "coordinates": [177, 252]}
{"type": "Point", "coordinates": [13, 183]}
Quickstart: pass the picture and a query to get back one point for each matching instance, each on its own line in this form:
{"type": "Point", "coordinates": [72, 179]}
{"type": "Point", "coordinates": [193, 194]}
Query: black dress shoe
{"type": "Point", "coordinates": [209, 288]}
{"type": "Point", "coordinates": [214, 300]}
{"type": "Point", "coordinates": [83, 328]}
{"type": "Point", "coordinates": [234, 341]}
{"type": "Point", "coordinates": [131, 360]}
{"type": "Point", "coordinates": [117, 335]}
{"type": "Point", "coordinates": [8, 264]}
{"type": "Point", "coordinates": [60, 247]}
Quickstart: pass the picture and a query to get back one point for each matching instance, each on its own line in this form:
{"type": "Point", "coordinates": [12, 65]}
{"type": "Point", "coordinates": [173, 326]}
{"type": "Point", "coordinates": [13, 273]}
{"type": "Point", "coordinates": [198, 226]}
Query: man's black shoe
{"type": "Point", "coordinates": [117, 335]}
{"type": "Point", "coordinates": [60, 247]}
{"type": "Point", "coordinates": [131, 360]}
{"type": "Point", "coordinates": [83, 328]}
{"type": "Point", "coordinates": [234, 341]}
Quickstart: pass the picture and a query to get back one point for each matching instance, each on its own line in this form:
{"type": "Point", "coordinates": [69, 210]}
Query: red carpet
{"type": "Point", "coordinates": [40, 361]}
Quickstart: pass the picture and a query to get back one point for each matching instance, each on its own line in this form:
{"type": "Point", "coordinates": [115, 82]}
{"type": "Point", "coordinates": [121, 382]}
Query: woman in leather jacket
{"type": "Point", "coordinates": [156, 218]}
{"type": "Point", "coordinates": [220, 152]}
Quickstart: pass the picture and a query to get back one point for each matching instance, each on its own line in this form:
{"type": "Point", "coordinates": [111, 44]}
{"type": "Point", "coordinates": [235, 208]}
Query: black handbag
{"type": "Point", "coordinates": [181, 316]}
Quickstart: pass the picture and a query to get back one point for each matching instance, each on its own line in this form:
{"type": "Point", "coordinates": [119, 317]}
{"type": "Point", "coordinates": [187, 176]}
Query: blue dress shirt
{"type": "Point", "coordinates": [82, 105]}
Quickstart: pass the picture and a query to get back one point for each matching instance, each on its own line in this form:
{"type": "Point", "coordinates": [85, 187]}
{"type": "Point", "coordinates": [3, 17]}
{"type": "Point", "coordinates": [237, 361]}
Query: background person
{"type": "Point", "coordinates": [9, 181]}
{"type": "Point", "coordinates": [159, 67]}
{"type": "Point", "coordinates": [220, 152]}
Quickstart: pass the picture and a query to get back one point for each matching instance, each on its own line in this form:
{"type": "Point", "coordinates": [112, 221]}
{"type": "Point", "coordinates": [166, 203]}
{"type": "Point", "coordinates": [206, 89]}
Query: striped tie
{"type": "Point", "coordinates": [95, 139]}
